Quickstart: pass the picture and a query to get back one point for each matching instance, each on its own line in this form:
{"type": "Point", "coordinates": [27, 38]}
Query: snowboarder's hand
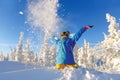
{"type": "Point", "coordinates": [91, 26]}
{"type": "Point", "coordinates": [87, 27]}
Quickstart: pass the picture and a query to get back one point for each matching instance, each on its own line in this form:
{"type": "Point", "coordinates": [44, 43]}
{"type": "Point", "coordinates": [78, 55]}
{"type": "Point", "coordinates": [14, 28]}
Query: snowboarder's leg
{"type": "Point", "coordinates": [72, 65]}
{"type": "Point", "coordinates": [60, 66]}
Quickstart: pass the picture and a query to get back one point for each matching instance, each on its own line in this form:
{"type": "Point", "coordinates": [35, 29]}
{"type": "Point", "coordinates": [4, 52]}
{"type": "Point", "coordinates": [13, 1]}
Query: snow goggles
{"type": "Point", "coordinates": [65, 33]}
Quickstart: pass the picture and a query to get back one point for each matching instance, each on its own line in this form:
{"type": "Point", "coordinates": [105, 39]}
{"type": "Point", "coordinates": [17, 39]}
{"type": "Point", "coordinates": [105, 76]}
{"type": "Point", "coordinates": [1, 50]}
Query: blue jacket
{"type": "Point", "coordinates": [65, 48]}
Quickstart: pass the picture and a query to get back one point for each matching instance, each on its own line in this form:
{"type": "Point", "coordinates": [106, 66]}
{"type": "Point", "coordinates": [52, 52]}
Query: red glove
{"type": "Point", "coordinates": [91, 26]}
{"type": "Point", "coordinates": [87, 27]}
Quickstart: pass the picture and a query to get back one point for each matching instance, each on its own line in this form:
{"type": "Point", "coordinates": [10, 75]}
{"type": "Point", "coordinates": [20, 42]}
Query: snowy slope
{"type": "Point", "coordinates": [6, 66]}
{"type": "Point", "coordinates": [18, 71]}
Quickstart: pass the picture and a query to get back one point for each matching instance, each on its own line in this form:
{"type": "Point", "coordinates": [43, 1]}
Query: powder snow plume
{"type": "Point", "coordinates": [43, 14]}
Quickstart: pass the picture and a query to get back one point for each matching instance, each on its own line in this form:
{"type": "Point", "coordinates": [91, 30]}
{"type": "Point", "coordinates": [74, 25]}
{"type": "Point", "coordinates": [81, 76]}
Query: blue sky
{"type": "Point", "coordinates": [76, 13]}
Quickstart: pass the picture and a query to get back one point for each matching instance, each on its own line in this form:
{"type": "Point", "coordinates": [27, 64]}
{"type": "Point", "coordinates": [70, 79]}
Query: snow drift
{"type": "Point", "coordinates": [19, 72]}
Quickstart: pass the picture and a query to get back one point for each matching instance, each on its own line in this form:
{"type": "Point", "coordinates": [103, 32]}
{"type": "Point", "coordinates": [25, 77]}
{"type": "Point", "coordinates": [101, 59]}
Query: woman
{"type": "Point", "coordinates": [65, 47]}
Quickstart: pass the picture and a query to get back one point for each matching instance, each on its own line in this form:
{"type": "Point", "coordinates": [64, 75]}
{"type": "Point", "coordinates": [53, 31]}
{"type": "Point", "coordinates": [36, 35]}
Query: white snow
{"type": "Point", "coordinates": [18, 71]}
{"type": "Point", "coordinates": [21, 13]}
{"type": "Point", "coordinates": [43, 14]}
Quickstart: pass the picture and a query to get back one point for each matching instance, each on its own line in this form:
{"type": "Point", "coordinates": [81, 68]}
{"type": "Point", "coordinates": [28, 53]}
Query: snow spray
{"type": "Point", "coordinates": [43, 14]}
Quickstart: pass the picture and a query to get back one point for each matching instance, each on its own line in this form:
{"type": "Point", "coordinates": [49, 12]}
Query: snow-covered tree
{"type": "Point", "coordinates": [6, 58]}
{"type": "Point", "coordinates": [12, 54]}
{"type": "Point", "coordinates": [112, 39]}
{"type": "Point", "coordinates": [19, 51]}
{"type": "Point", "coordinates": [1, 56]}
{"type": "Point", "coordinates": [80, 56]}
{"type": "Point", "coordinates": [85, 55]}
{"type": "Point", "coordinates": [43, 56]}
{"type": "Point", "coordinates": [36, 60]}
{"type": "Point", "coordinates": [28, 54]}
{"type": "Point", "coordinates": [47, 56]}
{"type": "Point", "coordinates": [52, 55]}
{"type": "Point", "coordinates": [75, 52]}
{"type": "Point", "coordinates": [107, 52]}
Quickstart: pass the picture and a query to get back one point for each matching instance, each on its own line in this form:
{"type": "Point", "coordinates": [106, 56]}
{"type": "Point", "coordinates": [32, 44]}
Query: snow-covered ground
{"type": "Point", "coordinates": [17, 71]}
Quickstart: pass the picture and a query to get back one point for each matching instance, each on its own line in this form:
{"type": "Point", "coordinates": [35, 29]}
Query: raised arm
{"type": "Point", "coordinates": [80, 32]}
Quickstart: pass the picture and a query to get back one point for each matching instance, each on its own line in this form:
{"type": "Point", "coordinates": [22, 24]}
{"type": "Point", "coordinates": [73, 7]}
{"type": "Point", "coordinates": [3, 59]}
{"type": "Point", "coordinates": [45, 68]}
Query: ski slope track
{"type": "Point", "coordinates": [17, 71]}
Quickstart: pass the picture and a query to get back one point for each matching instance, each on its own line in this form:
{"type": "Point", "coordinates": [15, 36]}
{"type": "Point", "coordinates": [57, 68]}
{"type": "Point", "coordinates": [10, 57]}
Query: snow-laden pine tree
{"type": "Point", "coordinates": [6, 57]}
{"type": "Point", "coordinates": [44, 55]}
{"type": "Point", "coordinates": [19, 50]}
{"type": "Point", "coordinates": [36, 60]}
{"type": "Point", "coordinates": [52, 55]}
{"type": "Point", "coordinates": [75, 52]}
{"type": "Point", "coordinates": [80, 56]}
{"type": "Point", "coordinates": [85, 55]}
{"type": "Point", "coordinates": [108, 51]}
{"type": "Point", "coordinates": [89, 54]}
{"type": "Point", "coordinates": [12, 54]}
{"type": "Point", "coordinates": [28, 54]}
{"type": "Point", "coordinates": [1, 56]}
{"type": "Point", "coordinates": [112, 39]}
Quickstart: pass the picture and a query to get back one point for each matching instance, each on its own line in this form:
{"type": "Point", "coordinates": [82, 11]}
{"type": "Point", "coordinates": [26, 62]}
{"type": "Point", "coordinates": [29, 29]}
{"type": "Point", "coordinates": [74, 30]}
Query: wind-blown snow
{"type": "Point", "coordinates": [43, 14]}
{"type": "Point", "coordinates": [21, 13]}
{"type": "Point", "coordinates": [19, 72]}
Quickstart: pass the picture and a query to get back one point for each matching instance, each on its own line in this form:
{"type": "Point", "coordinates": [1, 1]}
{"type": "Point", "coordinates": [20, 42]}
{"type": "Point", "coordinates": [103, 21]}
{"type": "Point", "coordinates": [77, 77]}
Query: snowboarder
{"type": "Point", "coordinates": [65, 47]}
